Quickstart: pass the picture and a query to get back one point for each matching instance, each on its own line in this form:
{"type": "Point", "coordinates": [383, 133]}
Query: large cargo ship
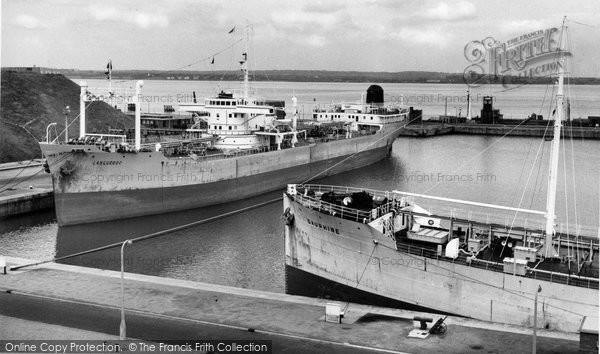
{"type": "Point", "coordinates": [246, 150]}
{"type": "Point", "coordinates": [493, 263]}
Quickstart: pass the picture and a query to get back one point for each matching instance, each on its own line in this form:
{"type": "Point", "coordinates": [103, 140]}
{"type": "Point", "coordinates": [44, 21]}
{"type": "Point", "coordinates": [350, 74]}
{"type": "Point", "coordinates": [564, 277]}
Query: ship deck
{"type": "Point", "coordinates": [553, 270]}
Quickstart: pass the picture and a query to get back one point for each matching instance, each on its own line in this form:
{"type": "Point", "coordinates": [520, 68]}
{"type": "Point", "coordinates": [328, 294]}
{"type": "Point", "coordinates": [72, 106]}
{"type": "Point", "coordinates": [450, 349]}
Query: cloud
{"type": "Point", "coordinates": [453, 12]}
{"type": "Point", "coordinates": [422, 36]}
{"type": "Point", "coordinates": [324, 6]}
{"type": "Point", "coordinates": [299, 20]}
{"type": "Point", "coordinates": [27, 21]}
{"type": "Point", "coordinates": [316, 40]}
{"type": "Point", "coordinates": [141, 19]}
{"type": "Point", "coordinates": [523, 26]}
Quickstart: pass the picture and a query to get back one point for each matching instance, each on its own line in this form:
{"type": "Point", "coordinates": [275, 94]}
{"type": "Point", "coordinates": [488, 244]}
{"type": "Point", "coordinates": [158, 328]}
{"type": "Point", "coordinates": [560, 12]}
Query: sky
{"type": "Point", "coordinates": [368, 35]}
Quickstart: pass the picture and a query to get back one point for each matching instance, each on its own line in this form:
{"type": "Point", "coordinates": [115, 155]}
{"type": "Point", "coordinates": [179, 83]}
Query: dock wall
{"type": "Point", "coordinates": [497, 129]}
{"type": "Point", "coordinates": [26, 203]}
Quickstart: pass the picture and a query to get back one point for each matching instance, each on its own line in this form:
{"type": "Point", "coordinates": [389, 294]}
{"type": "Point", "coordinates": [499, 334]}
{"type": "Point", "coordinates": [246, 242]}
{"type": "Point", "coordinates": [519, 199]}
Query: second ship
{"type": "Point", "coordinates": [99, 178]}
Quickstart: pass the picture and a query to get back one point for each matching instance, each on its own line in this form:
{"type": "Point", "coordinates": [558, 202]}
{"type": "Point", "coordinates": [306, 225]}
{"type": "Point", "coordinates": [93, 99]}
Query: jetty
{"type": "Point", "coordinates": [24, 188]}
{"type": "Point", "coordinates": [437, 128]}
{"type": "Point", "coordinates": [161, 308]}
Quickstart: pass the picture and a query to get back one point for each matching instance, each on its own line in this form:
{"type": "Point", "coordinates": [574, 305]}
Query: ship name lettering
{"type": "Point", "coordinates": [324, 227]}
{"type": "Point", "coordinates": [108, 163]}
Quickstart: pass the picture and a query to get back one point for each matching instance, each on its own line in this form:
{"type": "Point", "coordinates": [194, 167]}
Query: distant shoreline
{"type": "Point", "coordinates": [415, 77]}
{"type": "Point", "coordinates": [420, 77]}
{"type": "Point", "coordinates": [574, 81]}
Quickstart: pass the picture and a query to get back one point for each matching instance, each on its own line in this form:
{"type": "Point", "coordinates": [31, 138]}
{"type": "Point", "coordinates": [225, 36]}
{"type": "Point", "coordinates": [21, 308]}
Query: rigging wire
{"type": "Point", "coordinates": [363, 272]}
{"type": "Point", "coordinates": [478, 154]}
{"type": "Point", "coordinates": [72, 121]}
{"type": "Point", "coordinates": [569, 247]}
{"type": "Point", "coordinates": [583, 24]}
{"type": "Point", "coordinates": [354, 154]}
{"type": "Point", "coordinates": [17, 175]}
{"type": "Point", "coordinates": [30, 176]}
{"type": "Point", "coordinates": [536, 185]}
{"type": "Point", "coordinates": [205, 59]}
{"type": "Point", "coordinates": [154, 234]}
{"type": "Point", "coordinates": [571, 138]}
{"type": "Point", "coordinates": [540, 146]}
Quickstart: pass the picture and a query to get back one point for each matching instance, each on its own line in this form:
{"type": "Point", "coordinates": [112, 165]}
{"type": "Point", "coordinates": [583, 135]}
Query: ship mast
{"type": "Point", "coordinates": [468, 103]}
{"type": "Point", "coordinates": [553, 172]}
{"type": "Point", "coordinates": [244, 64]}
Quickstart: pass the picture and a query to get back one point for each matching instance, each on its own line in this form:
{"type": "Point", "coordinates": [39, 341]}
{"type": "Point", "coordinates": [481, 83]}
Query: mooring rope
{"type": "Point", "coordinates": [154, 234]}
{"type": "Point", "coordinates": [363, 272]}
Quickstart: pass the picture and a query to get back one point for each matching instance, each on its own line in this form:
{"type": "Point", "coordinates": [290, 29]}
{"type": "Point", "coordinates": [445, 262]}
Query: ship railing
{"type": "Point", "coordinates": [234, 153]}
{"type": "Point", "coordinates": [540, 274]}
{"type": "Point", "coordinates": [342, 189]}
{"type": "Point", "coordinates": [340, 211]}
{"type": "Point", "coordinates": [331, 137]}
{"type": "Point", "coordinates": [514, 225]}
{"type": "Point", "coordinates": [499, 217]}
{"type": "Point", "coordinates": [563, 278]}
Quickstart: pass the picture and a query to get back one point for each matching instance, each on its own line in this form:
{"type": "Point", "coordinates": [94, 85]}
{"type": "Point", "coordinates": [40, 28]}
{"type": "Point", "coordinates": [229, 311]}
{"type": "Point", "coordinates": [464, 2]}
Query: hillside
{"type": "Point", "coordinates": [31, 101]}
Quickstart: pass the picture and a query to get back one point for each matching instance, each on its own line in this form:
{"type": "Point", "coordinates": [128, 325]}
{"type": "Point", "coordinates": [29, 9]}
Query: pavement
{"type": "Point", "coordinates": [178, 309]}
{"type": "Point", "coordinates": [17, 328]}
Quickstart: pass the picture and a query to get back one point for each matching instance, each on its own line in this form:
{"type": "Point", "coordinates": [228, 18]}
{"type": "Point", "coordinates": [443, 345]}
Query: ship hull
{"type": "Point", "coordinates": [299, 282]}
{"type": "Point", "coordinates": [342, 255]}
{"type": "Point", "coordinates": [93, 187]}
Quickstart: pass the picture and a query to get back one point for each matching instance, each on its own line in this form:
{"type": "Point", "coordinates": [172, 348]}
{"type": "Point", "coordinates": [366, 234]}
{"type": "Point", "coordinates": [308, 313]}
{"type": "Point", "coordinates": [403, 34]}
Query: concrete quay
{"type": "Point", "coordinates": [24, 187]}
{"type": "Point", "coordinates": [435, 128]}
{"type": "Point", "coordinates": [207, 311]}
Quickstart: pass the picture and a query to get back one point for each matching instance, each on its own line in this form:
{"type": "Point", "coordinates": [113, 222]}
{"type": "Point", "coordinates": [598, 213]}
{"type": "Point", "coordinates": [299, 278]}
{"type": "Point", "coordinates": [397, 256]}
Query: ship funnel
{"type": "Point", "coordinates": [375, 95]}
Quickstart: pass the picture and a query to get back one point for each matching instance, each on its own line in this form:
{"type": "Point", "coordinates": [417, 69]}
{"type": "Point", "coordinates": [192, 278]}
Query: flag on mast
{"type": "Point", "coordinates": [213, 60]}
{"type": "Point", "coordinates": [232, 30]}
{"type": "Point", "coordinates": [108, 69]}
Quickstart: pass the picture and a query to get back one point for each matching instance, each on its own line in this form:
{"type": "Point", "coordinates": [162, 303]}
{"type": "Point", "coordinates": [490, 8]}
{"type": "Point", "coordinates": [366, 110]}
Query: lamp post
{"type": "Point", "coordinates": [48, 131]}
{"type": "Point", "coordinates": [533, 349]}
{"type": "Point", "coordinates": [122, 330]}
{"type": "Point", "coordinates": [66, 112]}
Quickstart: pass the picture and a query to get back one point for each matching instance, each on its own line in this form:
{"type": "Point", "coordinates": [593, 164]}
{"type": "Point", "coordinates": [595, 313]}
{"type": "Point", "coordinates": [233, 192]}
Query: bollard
{"type": "Point", "coordinates": [3, 265]}
{"type": "Point", "coordinates": [423, 321]}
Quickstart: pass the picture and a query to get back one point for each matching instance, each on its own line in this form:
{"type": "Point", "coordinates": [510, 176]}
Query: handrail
{"type": "Point", "coordinates": [553, 277]}
{"type": "Point", "coordinates": [533, 223]}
